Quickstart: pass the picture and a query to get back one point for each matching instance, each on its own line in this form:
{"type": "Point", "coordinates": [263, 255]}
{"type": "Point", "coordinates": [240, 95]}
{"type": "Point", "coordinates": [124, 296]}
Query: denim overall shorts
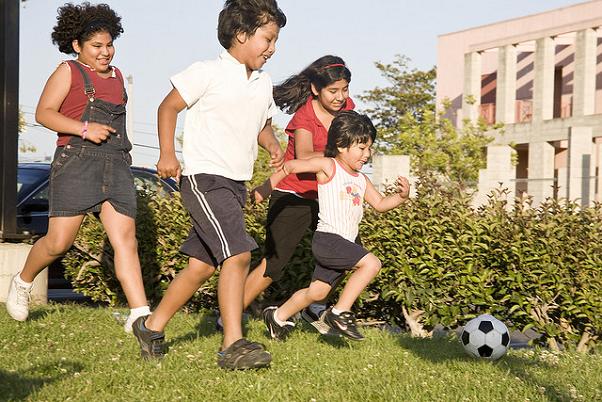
{"type": "Point", "coordinates": [84, 174]}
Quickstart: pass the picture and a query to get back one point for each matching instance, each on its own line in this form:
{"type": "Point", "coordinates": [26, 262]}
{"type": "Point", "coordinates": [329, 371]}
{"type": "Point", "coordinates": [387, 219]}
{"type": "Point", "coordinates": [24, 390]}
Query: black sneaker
{"type": "Point", "coordinates": [317, 322]}
{"type": "Point", "coordinates": [152, 343]}
{"type": "Point", "coordinates": [243, 355]}
{"type": "Point", "coordinates": [343, 324]}
{"type": "Point", "coordinates": [275, 330]}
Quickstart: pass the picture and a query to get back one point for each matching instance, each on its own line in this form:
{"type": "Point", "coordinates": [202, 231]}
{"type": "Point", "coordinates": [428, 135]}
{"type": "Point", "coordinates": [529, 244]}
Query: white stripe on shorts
{"type": "Point", "coordinates": [210, 216]}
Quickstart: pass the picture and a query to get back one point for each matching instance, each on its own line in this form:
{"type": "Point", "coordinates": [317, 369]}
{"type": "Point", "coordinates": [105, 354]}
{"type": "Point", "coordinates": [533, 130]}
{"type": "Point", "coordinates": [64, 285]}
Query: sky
{"type": "Point", "coordinates": [162, 38]}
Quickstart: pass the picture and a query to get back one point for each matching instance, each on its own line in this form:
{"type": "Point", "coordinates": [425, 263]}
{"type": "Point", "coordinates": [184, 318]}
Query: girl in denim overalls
{"type": "Point", "coordinates": [84, 102]}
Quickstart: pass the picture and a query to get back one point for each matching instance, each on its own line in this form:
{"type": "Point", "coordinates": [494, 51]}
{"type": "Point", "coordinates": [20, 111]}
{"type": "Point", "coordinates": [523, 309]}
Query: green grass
{"type": "Point", "coordinates": [70, 352]}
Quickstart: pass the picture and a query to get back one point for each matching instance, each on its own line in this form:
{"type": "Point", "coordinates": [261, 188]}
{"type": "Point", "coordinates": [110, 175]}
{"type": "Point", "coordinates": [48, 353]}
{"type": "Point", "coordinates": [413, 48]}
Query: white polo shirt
{"type": "Point", "coordinates": [226, 112]}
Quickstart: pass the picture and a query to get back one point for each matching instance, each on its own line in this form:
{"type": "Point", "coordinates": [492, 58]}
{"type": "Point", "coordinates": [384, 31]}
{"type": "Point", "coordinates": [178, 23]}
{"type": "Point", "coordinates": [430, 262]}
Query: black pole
{"type": "Point", "coordinates": [9, 117]}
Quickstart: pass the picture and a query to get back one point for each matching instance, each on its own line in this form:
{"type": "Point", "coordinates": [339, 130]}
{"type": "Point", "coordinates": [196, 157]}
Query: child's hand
{"type": "Point", "coordinates": [403, 187]}
{"type": "Point", "coordinates": [276, 157]}
{"type": "Point", "coordinates": [169, 166]}
{"type": "Point", "coordinates": [261, 193]}
{"type": "Point", "coordinates": [98, 133]}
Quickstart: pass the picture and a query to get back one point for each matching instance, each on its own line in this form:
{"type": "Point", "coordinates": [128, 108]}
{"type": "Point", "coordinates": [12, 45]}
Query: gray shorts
{"type": "Point", "coordinates": [215, 204]}
{"type": "Point", "coordinates": [334, 255]}
{"type": "Point", "coordinates": [82, 178]}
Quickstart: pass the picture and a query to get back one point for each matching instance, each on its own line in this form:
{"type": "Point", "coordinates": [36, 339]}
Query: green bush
{"type": "Point", "coordinates": [443, 262]}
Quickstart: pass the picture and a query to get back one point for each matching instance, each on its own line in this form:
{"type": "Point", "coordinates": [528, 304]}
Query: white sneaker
{"type": "Point", "coordinates": [17, 301]}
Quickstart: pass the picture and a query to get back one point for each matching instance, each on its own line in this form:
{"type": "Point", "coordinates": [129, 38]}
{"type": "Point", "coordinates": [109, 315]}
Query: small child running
{"type": "Point", "coordinates": [341, 192]}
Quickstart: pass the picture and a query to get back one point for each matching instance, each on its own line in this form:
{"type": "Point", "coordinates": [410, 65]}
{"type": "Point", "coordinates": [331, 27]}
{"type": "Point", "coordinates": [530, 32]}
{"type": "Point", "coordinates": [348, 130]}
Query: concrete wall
{"type": "Point", "coordinates": [12, 259]}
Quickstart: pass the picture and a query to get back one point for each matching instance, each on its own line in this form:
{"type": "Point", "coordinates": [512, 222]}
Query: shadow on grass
{"type": "Point", "coordinates": [20, 384]}
{"type": "Point", "coordinates": [204, 328]}
{"type": "Point", "coordinates": [446, 349]}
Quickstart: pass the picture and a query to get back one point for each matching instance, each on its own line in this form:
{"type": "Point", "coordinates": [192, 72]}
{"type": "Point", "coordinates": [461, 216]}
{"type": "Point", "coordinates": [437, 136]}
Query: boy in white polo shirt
{"type": "Point", "coordinates": [230, 106]}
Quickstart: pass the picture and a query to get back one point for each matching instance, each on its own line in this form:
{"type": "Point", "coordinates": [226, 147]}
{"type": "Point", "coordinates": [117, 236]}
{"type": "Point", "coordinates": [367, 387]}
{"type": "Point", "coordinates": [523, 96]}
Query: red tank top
{"type": "Point", "coordinates": [108, 89]}
{"type": "Point", "coordinates": [305, 184]}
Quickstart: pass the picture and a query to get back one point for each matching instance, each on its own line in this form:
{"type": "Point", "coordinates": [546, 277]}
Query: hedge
{"type": "Point", "coordinates": [443, 262]}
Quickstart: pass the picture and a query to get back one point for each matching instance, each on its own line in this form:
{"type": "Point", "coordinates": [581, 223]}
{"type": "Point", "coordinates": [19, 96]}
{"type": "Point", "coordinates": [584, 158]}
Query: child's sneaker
{"type": "Point", "coordinates": [243, 355]}
{"type": "Point", "coordinates": [317, 322]}
{"type": "Point", "coordinates": [17, 300]}
{"type": "Point", "coordinates": [152, 343]}
{"type": "Point", "coordinates": [277, 331]}
{"type": "Point", "coordinates": [343, 323]}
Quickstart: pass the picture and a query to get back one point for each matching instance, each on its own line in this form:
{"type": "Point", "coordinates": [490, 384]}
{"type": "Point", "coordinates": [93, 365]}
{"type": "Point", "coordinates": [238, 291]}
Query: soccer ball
{"type": "Point", "coordinates": [485, 337]}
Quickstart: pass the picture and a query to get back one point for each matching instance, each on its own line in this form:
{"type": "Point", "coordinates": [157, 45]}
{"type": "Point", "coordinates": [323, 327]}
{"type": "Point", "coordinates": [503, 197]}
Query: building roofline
{"type": "Point", "coordinates": [517, 18]}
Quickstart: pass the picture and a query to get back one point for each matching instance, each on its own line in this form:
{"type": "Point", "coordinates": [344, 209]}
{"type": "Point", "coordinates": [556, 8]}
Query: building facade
{"type": "Point", "coordinates": [541, 76]}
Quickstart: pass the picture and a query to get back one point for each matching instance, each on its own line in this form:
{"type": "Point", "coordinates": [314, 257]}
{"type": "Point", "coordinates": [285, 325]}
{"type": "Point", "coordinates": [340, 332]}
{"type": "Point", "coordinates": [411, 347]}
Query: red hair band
{"type": "Point", "coordinates": [335, 65]}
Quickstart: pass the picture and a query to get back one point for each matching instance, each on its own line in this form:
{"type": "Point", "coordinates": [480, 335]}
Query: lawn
{"type": "Point", "coordinates": [72, 352]}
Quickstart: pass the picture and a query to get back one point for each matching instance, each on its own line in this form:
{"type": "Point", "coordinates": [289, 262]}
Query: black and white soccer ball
{"type": "Point", "coordinates": [485, 337]}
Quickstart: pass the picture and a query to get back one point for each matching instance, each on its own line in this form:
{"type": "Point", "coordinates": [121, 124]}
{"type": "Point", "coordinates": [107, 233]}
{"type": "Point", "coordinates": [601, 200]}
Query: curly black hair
{"type": "Point", "coordinates": [245, 16]}
{"type": "Point", "coordinates": [81, 22]}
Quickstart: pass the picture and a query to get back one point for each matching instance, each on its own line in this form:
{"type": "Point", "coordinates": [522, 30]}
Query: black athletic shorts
{"type": "Point", "coordinates": [334, 256]}
{"type": "Point", "coordinates": [215, 204]}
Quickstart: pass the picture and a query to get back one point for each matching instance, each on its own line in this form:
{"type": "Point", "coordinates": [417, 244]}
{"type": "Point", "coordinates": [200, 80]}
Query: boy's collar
{"type": "Point", "coordinates": [225, 55]}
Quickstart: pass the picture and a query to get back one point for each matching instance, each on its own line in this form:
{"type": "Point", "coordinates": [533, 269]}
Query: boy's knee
{"type": "Point", "coordinates": [240, 259]}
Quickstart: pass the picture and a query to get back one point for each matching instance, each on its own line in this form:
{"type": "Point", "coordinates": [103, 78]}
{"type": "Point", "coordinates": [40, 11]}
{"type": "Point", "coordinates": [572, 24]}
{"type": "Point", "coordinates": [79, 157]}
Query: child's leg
{"type": "Point", "coordinates": [316, 291]}
{"type": "Point", "coordinates": [288, 219]}
{"type": "Point", "coordinates": [181, 289]}
{"type": "Point", "coordinates": [366, 270]}
{"type": "Point", "coordinates": [256, 283]}
{"type": "Point", "coordinates": [230, 290]}
{"type": "Point", "coordinates": [62, 231]}
{"type": "Point", "coordinates": [121, 230]}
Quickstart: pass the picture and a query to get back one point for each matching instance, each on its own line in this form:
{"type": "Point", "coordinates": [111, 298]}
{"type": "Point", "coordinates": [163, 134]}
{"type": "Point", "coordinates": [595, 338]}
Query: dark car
{"type": "Point", "coordinates": [32, 193]}
{"type": "Point", "coordinates": [32, 212]}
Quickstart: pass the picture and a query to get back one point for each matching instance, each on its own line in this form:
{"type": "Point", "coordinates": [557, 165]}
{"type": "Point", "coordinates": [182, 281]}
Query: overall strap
{"type": "Point", "coordinates": [88, 87]}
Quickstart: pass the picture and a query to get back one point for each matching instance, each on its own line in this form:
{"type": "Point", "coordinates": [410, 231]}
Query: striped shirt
{"type": "Point", "coordinates": [341, 202]}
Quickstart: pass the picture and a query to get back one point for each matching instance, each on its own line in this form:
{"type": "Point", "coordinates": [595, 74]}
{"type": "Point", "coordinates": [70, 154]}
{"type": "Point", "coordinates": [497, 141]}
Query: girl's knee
{"type": "Point", "coordinates": [318, 290]}
{"type": "Point", "coordinates": [56, 246]}
{"type": "Point", "coordinates": [371, 262]}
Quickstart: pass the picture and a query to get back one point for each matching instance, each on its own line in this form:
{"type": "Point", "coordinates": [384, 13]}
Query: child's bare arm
{"type": "Point", "coordinates": [321, 166]}
{"type": "Point", "coordinates": [268, 141]}
{"type": "Point", "coordinates": [168, 165]}
{"type": "Point", "coordinates": [383, 204]}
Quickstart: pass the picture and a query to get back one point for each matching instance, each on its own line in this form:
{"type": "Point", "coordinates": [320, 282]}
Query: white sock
{"type": "Point", "coordinates": [317, 308]}
{"type": "Point", "coordinates": [336, 312]}
{"type": "Point", "coordinates": [21, 282]}
{"type": "Point", "coordinates": [140, 311]}
{"type": "Point", "coordinates": [280, 322]}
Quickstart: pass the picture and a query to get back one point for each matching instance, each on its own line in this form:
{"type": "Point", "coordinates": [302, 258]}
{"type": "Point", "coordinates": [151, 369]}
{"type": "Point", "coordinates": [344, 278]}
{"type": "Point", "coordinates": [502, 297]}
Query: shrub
{"type": "Point", "coordinates": [443, 262]}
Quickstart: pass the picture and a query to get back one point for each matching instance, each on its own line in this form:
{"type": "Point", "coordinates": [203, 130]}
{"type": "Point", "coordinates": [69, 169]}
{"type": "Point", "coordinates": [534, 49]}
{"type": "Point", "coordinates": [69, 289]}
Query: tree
{"type": "Point", "coordinates": [409, 124]}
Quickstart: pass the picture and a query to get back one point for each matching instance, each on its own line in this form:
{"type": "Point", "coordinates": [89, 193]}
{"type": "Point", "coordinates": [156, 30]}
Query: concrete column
{"type": "Point", "coordinates": [598, 151]}
{"type": "Point", "coordinates": [472, 86]}
{"type": "Point", "coordinates": [500, 171]}
{"type": "Point", "coordinates": [584, 87]}
{"type": "Point", "coordinates": [12, 259]}
{"type": "Point", "coordinates": [541, 172]}
{"type": "Point", "coordinates": [505, 101]}
{"type": "Point", "coordinates": [580, 184]}
{"type": "Point", "coordinates": [386, 169]}
{"type": "Point", "coordinates": [543, 83]}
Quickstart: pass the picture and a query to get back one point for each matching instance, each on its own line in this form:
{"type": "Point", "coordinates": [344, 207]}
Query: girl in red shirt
{"type": "Point", "coordinates": [84, 102]}
{"type": "Point", "coordinates": [315, 96]}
